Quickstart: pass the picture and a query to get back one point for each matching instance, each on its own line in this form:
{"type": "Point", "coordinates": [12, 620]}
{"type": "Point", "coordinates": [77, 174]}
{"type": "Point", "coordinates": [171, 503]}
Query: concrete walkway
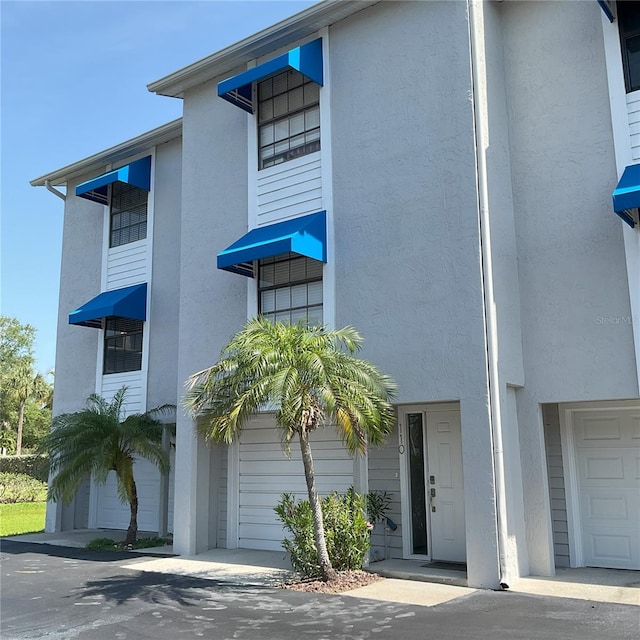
{"type": "Point", "coordinates": [407, 581]}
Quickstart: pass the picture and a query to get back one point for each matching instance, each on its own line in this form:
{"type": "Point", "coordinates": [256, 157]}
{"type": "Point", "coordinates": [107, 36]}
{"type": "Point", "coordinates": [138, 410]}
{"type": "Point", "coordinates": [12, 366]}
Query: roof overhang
{"type": "Point", "coordinates": [305, 236]}
{"type": "Point", "coordinates": [277, 37]}
{"type": "Point", "coordinates": [113, 155]}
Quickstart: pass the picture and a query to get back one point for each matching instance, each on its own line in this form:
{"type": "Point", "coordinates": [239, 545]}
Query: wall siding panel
{"type": "Point", "coordinates": [134, 402]}
{"type": "Point", "coordinates": [556, 484]}
{"type": "Point", "coordinates": [291, 189]}
{"type": "Point", "coordinates": [633, 110]}
{"type": "Point", "coordinates": [384, 475]}
{"type": "Point", "coordinates": [222, 497]}
{"type": "Point", "coordinates": [127, 265]}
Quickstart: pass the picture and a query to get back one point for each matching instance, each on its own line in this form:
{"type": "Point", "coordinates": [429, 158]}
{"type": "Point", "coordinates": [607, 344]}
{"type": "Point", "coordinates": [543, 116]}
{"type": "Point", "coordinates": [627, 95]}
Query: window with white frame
{"type": "Point", "coordinates": [128, 214]}
{"type": "Point", "coordinates": [122, 345]}
{"type": "Point", "coordinates": [290, 289]}
{"type": "Point", "coordinates": [288, 118]}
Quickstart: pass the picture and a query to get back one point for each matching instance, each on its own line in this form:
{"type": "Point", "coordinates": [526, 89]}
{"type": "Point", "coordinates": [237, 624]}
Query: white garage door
{"type": "Point", "coordinates": [266, 472]}
{"type": "Point", "coordinates": [113, 514]}
{"type": "Point", "coordinates": [608, 463]}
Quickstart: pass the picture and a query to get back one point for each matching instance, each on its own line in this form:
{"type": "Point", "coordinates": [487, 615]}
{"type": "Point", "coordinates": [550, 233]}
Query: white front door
{"type": "Point", "coordinates": [433, 496]}
{"type": "Point", "coordinates": [607, 450]}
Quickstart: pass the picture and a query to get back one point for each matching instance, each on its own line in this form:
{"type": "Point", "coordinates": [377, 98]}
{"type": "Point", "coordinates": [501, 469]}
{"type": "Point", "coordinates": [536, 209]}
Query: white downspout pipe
{"type": "Point", "coordinates": [480, 110]}
{"type": "Point", "coordinates": [53, 190]}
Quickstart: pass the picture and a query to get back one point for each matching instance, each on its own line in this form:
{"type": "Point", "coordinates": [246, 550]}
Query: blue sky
{"type": "Point", "coordinates": [74, 78]}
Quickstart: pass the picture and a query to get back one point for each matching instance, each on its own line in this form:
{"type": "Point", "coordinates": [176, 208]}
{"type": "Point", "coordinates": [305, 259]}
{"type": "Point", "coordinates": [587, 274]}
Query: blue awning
{"type": "Point", "coordinates": [306, 59]}
{"type": "Point", "coordinates": [137, 174]}
{"type": "Point", "coordinates": [306, 236]}
{"type": "Point", "coordinates": [129, 302]}
{"type": "Point", "coordinates": [626, 195]}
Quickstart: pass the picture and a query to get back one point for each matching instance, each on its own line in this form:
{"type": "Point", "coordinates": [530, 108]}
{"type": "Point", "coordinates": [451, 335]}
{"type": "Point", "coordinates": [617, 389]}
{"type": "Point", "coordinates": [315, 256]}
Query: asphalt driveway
{"type": "Point", "coordinates": [55, 592]}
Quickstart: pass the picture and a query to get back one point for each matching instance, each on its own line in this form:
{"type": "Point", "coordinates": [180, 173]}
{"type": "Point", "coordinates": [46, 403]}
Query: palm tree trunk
{"type": "Point", "coordinates": [132, 531]}
{"type": "Point", "coordinates": [327, 572]}
{"type": "Point", "coordinates": [20, 426]}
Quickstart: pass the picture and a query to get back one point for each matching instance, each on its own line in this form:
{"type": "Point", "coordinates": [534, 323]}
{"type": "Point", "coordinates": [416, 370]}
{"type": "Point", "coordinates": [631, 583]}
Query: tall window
{"type": "Point", "coordinates": [128, 214]}
{"type": "Point", "coordinates": [122, 345]}
{"type": "Point", "coordinates": [629, 26]}
{"type": "Point", "coordinates": [288, 118]}
{"type": "Point", "coordinates": [290, 289]}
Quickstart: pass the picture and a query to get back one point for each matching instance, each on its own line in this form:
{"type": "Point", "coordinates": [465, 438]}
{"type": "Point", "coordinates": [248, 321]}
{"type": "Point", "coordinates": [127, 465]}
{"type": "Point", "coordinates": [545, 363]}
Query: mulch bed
{"type": "Point", "coordinates": [346, 581]}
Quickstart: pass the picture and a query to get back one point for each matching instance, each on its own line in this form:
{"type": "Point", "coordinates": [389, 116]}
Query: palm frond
{"type": "Point", "coordinates": [100, 439]}
{"type": "Point", "coordinates": [298, 369]}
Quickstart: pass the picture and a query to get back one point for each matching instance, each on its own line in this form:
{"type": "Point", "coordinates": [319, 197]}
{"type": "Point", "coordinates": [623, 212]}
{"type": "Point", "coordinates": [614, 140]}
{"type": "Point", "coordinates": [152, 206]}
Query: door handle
{"type": "Point", "coordinates": [432, 495]}
{"type": "Point", "coordinates": [433, 492]}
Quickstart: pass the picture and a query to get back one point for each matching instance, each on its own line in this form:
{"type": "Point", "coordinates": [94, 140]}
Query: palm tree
{"type": "Point", "coordinates": [313, 378]}
{"type": "Point", "coordinates": [100, 439]}
{"type": "Point", "coordinates": [25, 385]}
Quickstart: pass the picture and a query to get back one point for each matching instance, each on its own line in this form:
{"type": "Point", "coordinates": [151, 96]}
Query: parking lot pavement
{"type": "Point", "coordinates": [59, 593]}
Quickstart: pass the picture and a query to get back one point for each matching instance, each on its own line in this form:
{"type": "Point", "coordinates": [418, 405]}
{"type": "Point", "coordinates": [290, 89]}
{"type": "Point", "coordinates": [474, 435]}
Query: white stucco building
{"type": "Point", "coordinates": [437, 174]}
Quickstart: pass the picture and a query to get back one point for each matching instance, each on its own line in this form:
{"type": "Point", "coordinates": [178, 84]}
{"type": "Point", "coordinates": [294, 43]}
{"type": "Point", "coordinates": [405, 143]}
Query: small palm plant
{"type": "Point", "coordinates": [100, 439]}
{"type": "Point", "coordinates": [312, 377]}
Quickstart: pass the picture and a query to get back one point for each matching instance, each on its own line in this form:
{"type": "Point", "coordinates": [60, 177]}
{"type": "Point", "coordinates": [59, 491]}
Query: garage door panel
{"type": "Point", "coordinates": [600, 507]}
{"type": "Point", "coordinates": [608, 463]}
{"type": "Point", "coordinates": [266, 472]}
{"type": "Point", "coordinates": [599, 428]}
{"type": "Point", "coordinates": [267, 532]}
{"type": "Point", "coordinates": [256, 515]}
{"type": "Point", "coordinates": [113, 514]}
{"type": "Point", "coordinates": [601, 466]}
{"type": "Point", "coordinates": [612, 550]}
{"type": "Point", "coordinates": [289, 467]}
{"type": "Point", "coordinates": [261, 544]}
{"type": "Point", "coordinates": [320, 450]}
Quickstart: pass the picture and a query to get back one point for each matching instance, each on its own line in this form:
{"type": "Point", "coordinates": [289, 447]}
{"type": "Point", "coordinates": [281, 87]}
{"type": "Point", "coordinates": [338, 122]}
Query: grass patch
{"type": "Point", "coordinates": [22, 517]}
{"type": "Point", "coordinates": [107, 544]}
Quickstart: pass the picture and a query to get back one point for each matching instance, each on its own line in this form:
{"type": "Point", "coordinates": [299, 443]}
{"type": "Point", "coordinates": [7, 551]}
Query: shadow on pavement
{"type": "Point", "coordinates": [11, 547]}
{"type": "Point", "coordinates": [159, 589]}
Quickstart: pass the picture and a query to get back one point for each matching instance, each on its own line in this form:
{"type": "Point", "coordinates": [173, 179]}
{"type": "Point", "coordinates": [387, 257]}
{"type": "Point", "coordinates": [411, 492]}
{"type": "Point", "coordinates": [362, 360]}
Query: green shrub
{"type": "Point", "coordinates": [347, 531]}
{"type": "Point", "coordinates": [36, 466]}
{"type": "Point", "coordinates": [19, 487]}
{"type": "Point", "coordinates": [8, 441]}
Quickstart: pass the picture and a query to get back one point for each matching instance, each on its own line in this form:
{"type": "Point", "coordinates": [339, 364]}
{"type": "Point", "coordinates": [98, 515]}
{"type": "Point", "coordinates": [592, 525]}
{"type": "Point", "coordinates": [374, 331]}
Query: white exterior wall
{"type": "Point", "coordinates": [406, 225]}
{"type": "Point", "coordinates": [571, 261]}
{"type": "Point", "coordinates": [624, 122]}
{"type": "Point", "coordinates": [212, 303]}
{"type": "Point", "coordinates": [76, 347]}
{"type": "Point", "coordinates": [398, 180]}
{"type": "Point", "coordinates": [105, 269]}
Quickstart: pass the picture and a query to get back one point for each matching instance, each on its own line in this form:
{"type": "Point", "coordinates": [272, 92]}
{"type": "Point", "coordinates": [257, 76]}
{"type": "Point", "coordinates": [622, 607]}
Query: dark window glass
{"type": "Point", "coordinates": [128, 214]}
{"type": "Point", "coordinates": [122, 345]}
{"type": "Point", "coordinates": [417, 455]}
{"type": "Point", "coordinates": [629, 26]}
{"type": "Point", "coordinates": [290, 289]}
{"type": "Point", "coordinates": [288, 118]}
